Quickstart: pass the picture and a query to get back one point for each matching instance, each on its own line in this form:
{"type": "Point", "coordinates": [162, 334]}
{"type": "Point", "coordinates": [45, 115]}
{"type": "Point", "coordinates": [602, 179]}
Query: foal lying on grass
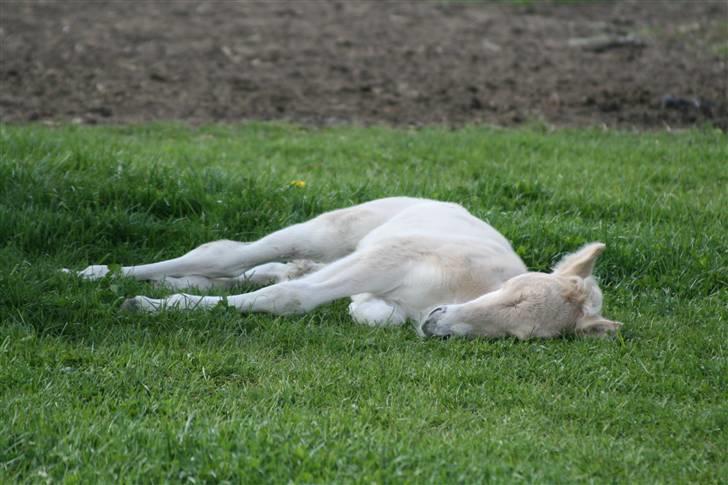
{"type": "Point", "coordinates": [397, 258]}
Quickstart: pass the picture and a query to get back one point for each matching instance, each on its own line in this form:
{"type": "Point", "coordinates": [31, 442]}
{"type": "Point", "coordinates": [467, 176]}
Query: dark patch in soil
{"type": "Point", "coordinates": [618, 63]}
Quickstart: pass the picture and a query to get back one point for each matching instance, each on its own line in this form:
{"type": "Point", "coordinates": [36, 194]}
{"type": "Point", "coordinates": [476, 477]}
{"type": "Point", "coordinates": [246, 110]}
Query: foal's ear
{"type": "Point", "coordinates": [580, 263]}
{"type": "Point", "coordinates": [596, 326]}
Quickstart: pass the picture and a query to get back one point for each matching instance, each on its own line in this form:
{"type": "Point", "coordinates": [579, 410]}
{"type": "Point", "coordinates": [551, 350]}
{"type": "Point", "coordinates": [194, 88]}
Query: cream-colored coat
{"type": "Point", "coordinates": [398, 259]}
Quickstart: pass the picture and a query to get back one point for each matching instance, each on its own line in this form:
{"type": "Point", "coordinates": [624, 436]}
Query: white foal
{"type": "Point", "coordinates": [397, 258]}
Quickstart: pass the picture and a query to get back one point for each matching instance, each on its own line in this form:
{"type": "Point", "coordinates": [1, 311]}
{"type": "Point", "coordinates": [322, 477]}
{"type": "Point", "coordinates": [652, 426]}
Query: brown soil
{"type": "Point", "coordinates": [644, 64]}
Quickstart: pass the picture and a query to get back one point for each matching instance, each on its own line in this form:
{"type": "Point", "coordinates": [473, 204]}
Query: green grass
{"type": "Point", "coordinates": [91, 394]}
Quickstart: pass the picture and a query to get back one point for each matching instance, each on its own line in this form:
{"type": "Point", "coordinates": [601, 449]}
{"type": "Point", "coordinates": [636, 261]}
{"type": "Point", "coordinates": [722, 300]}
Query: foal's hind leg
{"type": "Point", "coordinates": [325, 238]}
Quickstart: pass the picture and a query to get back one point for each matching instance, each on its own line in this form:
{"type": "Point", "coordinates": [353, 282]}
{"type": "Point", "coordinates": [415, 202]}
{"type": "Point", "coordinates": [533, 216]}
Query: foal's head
{"type": "Point", "coordinates": [566, 301]}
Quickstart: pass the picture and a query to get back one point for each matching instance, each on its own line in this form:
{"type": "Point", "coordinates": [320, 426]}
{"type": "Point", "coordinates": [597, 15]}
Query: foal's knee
{"type": "Point", "coordinates": [215, 248]}
{"type": "Point", "coordinates": [216, 258]}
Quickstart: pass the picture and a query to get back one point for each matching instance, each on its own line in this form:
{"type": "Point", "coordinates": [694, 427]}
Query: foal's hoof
{"type": "Point", "coordinates": [131, 305]}
{"type": "Point", "coordinates": [94, 272]}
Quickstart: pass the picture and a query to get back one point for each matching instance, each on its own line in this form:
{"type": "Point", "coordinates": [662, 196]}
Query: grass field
{"type": "Point", "coordinates": [88, 393]}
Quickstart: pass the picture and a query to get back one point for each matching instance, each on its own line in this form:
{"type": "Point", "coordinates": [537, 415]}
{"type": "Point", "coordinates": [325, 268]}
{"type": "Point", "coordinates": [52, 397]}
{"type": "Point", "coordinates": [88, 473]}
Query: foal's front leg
{"type": "Point", "coordinates": [355, 274]}
{"type": "Point", "coordinates": [281, 299]}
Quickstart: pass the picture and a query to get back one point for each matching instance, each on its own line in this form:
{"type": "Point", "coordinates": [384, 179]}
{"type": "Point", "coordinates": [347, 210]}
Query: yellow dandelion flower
{"type": "Point", "coordinates": [298, 183]}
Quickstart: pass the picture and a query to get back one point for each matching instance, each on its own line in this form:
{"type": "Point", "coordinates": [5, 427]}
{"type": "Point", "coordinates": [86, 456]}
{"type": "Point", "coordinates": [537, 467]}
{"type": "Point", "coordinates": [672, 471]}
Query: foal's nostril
{"type": "Point", "coordinates": [428, 327]}
{"type": "Point", "coordinates": [440, 309]}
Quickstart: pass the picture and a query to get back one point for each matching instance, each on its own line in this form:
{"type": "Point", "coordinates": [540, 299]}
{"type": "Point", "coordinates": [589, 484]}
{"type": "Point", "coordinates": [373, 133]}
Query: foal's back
{"type": "Point", "coordinates": [429, 218]}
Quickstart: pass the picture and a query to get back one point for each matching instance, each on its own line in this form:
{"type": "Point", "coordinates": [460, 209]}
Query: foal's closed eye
{"type": "Point", "coordinates": [574, 290]}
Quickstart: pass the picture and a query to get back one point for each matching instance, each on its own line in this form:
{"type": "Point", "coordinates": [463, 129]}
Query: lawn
{"type": "Point", "coordinates": [88, 393]}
